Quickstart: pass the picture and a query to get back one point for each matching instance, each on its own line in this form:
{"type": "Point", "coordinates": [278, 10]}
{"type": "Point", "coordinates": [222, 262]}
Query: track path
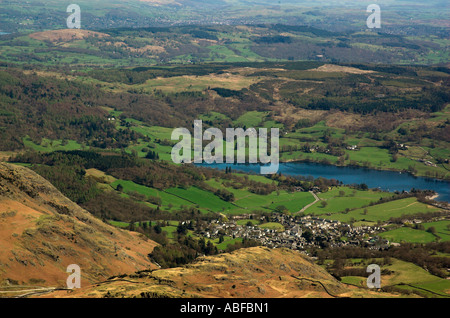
{"type": "Point", "coordinates": [316, 199]}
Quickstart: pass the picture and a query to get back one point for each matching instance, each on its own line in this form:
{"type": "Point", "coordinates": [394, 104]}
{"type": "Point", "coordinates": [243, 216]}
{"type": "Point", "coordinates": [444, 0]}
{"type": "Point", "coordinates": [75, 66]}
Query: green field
{"type": "Point", "coordinates": [48, 145]}
{"type": "Point", "coordinates": [441, 227]}
{"type": "Point", "coordinates": [169, 201]}
{"type": "Point", "coordinates": [293, 202]}
{"type": "Point", "coordinates": [410, 235]}
{"type": "Point", "coordinates": [341, 198]}
{"type": "Point", "coordinates": [226, 242]}
{"type": "Point", "coordinates": [249, 201]}
{"type": "Point", "coordinates": [272, 226]}
{"type": "Point", "coordinates": [246, 221]}
{"type": "Point", "coordinates": [202, 198]}
{"type": "Point", "coordinates": [406, 234]}
{"type": "Point", "coordinates": [251, 119]}
{"type": "Point", "coordinates": [406, 275]}
{"type": "Point", "coordinates": [245, 201]}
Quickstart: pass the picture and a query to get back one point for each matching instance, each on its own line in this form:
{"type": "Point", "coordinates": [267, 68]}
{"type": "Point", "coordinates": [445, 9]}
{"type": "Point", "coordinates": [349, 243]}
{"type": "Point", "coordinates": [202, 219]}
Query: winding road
{"type": "Point", "coordinates": [311, 204]}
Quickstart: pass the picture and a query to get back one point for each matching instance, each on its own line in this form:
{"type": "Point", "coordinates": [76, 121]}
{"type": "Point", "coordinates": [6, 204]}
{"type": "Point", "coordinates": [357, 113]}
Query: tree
{"type": "Point", "coordinates": [323, 204]}
{"type": "Point", "coordinates": [394, 158]}
{"type": "Point", "coordinates": [308, 235]}
{"type": "Point", "coordinates": [281, 209]}
{"type": "Point", "coordinates": [431, 230]}
{"type": "Point", "coordinates": [152, 155]}
{"type": "Point", "coordinates": [157, 229]}
{"type": "Point", "coordinates": [363, 187]}
{"type": "Point", "coordinates": [182, 228]}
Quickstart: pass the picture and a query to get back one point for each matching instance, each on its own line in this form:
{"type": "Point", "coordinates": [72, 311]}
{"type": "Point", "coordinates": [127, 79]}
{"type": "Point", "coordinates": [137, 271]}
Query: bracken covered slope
{"type": "Point", "coordinates": [256, 272]}
{"type": "Point", "coordinates": [42, 232]}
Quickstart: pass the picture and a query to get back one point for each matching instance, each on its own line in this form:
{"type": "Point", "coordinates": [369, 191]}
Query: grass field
{"type": "Point", "coordinates": [202, 198]}
{"type": "Point", "coordinates": [355, 280]}
{"type": "Point", "coordinates": [407, 276]}
{"type": "Point", "coordinates": [169, 201]}
{"type": "Point", "coordinates": [251, 119]}
{"type": "Point", "coordinates": [293, 202]}
{"type": "Point", "coordinates": [272, 226]}
{"type": "Point", "coordinates": [408, 273]}
{"type": "Point", "coordinates": [226, 242]}
{"type": "Point", "coordinates": [384, 211]}
{"type": "Point", "coordinates": [48, 145]}
{"type": "Point", "coordinates": [176, 198]}
{"type": "Point", "coordinates": [342, 198]}
{"type": "Point", "coordinates": [441, 227]}
{"type": "Point", "coordinates": [410, 235]}
{"type": "Point", "coordinates": [244, 222]}
{"type": "Point", "coordinates": [406, 234]}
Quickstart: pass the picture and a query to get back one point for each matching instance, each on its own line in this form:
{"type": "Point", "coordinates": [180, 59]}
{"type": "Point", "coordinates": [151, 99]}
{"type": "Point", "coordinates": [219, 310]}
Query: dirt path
{"type": "Point", "coordinates": [316, 199]}
{"type": "Point", "coordinates": [27, 291]}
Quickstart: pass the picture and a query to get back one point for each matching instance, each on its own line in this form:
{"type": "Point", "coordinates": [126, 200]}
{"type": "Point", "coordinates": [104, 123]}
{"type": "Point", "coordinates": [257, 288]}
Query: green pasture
{"type": "Point", "coordinates": [384, 211]}
{"type": "Point", "coordinates": [341, 198]}
{"type": "Point", "coordinates": [442, 229]}
{"type": "Point", "coordinates": [407, 234]}
{"type": "Point", "coordinates": [202, 198]}
{"type": "Point", "coordinates": [48, 145]}
{"type": "Point", "coordinates": [252, 119]}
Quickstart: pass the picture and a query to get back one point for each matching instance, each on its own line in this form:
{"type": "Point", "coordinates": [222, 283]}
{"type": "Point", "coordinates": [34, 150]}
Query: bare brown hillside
{"type": "Point", "coordinates": [42, 232]}
{"type": "Point", "coordinates": [256, 272]}
{"type": "Point", "coordinates": [66, 35]}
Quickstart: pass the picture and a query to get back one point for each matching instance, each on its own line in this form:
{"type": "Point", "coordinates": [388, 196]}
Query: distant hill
{"type": "Point", "coordinates": [66, 35]}
{"type": "Point", "coordinates": [42, 232]}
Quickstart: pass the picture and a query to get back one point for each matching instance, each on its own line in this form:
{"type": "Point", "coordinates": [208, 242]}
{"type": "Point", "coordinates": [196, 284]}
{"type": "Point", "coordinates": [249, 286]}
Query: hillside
{"type": "Point", "coordinates": [65, 35]}
{"type": "Point", "coordinates": [42, 232]}
{"type": "Point", "coordinates": [256, 272]}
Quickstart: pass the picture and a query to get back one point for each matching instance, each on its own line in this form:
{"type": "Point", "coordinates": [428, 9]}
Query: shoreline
{"type": "Point", "coordinates": [433, 197]}
{"type": "Point", "coordinates": [439, 186]}
{"type": "Point", "coordinates": [363, 167]}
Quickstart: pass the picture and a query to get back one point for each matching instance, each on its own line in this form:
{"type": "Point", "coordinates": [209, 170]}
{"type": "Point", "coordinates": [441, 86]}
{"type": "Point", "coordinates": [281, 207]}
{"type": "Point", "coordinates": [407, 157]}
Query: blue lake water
{"type": "Point", "coordinates": [384, 180]}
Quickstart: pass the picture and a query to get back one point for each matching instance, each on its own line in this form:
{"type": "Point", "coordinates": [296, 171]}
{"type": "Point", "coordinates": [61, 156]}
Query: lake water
{"type": "Point", "coordinates": [384, 180]}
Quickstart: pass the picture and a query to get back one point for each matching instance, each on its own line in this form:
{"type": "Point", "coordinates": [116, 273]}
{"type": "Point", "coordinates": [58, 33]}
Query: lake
{"type": "Point", "coordinates": [384, 180]}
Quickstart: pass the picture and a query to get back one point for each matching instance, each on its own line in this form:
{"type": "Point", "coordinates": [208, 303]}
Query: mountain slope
{"type": "Point", "coordinates": [42, 232]}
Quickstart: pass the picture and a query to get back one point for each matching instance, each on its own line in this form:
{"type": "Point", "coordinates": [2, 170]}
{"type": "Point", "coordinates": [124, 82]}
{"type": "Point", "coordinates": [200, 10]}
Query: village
{"type": "Point", "coordinates": [298, 233]}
